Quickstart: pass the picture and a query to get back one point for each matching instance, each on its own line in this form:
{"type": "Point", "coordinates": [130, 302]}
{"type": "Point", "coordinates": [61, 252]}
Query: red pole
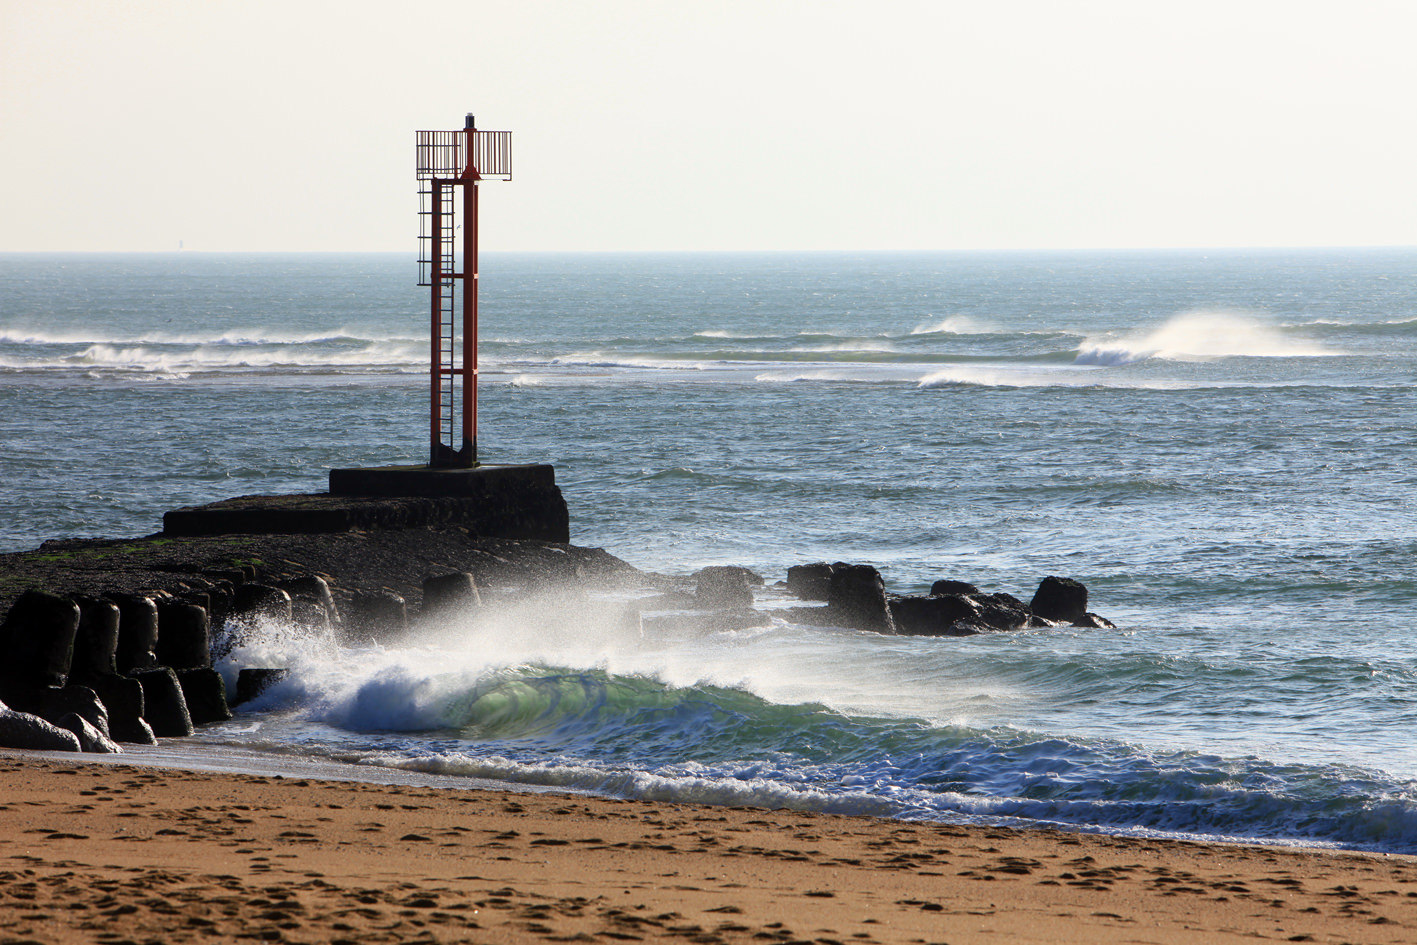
{"type": "Point", "coordinates": [469, 302]}
{"type": "Point", "coordinates": [435, 370]}
{"type": "Point", "coordinates": [469, 296]}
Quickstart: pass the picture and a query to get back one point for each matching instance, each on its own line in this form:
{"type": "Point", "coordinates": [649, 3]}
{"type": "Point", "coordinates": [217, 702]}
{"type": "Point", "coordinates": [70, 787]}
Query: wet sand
{"type": "Point", "coordinates": [116, 853]}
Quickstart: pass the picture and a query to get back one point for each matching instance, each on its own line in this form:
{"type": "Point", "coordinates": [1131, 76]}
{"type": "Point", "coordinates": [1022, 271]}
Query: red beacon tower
{"type": "Point", "coordinates": [520, 501]}
{"type": "Point", "coordinates": [451, 164]}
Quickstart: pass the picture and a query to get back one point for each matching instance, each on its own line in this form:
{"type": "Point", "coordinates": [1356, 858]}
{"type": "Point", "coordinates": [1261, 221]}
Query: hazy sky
{"type": "Point", "coordinates": [766, 124]}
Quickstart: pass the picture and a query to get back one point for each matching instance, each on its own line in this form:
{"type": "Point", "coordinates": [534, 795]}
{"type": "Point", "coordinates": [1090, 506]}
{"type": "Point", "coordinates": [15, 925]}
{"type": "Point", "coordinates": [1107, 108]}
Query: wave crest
{"type": "Point", "coordinates": [953, 325]}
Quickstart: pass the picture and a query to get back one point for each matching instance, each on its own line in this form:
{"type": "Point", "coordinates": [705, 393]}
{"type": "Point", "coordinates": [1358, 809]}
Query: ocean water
{"type": "Point", "coordinates": [1219, 444]}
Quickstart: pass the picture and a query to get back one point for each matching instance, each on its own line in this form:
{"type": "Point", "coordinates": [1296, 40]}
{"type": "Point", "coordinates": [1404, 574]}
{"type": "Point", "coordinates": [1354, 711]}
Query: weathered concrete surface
{"type": "Point", "coordinates": [511, 502]}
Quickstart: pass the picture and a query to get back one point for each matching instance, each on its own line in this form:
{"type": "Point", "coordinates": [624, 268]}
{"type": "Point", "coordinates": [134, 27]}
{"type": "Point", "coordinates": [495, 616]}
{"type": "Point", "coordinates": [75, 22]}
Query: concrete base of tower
{"type": "Point", "coordinates": [517, 502]}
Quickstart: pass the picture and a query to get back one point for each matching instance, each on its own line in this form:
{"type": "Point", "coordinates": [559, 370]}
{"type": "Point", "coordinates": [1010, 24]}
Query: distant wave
{"type": "Point", "coordinates": [842, 347]}
{"type": "Point", "coordinates": [182, 359]}
{"type": "Point", "coordinates": [968, 375]}
{"type": "Point", "coordinates": [1090, 376]}
{"type": "Point", "coordinates": [953, 325]}
{"type": "Point", "coordinates": [719, 335]}
{"type": "Point", "coordinates": [840, 375]}
{"type": "Point", "coordinates": [597, 359]}
{"type": "Point", "coordinates": [1398, 327]}
{"type": "Point", "coordinates": [236, 336]}
{"type": "Point", "coordinates": [1200, 336]}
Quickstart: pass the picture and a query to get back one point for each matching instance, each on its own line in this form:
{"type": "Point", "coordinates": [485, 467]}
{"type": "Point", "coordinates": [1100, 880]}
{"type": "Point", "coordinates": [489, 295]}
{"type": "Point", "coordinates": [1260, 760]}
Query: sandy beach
{"type": "Point", "coordinates": [104, 852]}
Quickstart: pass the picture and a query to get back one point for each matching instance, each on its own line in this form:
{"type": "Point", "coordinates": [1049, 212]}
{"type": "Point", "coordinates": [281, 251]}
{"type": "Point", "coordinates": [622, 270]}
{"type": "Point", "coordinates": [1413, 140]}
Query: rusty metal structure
{"type": "Point", "coordinates": [450, 166]}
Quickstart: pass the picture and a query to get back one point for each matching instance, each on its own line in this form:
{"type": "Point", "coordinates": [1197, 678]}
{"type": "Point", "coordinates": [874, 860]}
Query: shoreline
{"type": "Point", "coordinates": [143, 851]}
{"type": "Point", "coordinates": [225, 759]}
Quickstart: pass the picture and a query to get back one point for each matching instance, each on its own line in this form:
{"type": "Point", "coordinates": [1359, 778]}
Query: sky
{"type": "Point", "coordinates": [142, 125]}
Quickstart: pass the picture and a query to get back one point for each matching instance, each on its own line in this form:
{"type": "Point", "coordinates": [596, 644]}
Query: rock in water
{"type": "Point", "coordinates": [250, 683]}
{"type": "Point", "coordinates": [1000, 611]}
{"type": "Point", "coordinates": [204, 691]}
{"type": "Point", "coordinates": [934, 616]}
{"type": "Point", "coordinates": [856, 597]}
{"type": "Point", "coordinates": [725, 588]}
{"type": "Point", "coordinates": [810, 581]}
{"type": "Point", "coordinates": [1060, 599]}
{"type": "Point", "coordinates": [952, 587]}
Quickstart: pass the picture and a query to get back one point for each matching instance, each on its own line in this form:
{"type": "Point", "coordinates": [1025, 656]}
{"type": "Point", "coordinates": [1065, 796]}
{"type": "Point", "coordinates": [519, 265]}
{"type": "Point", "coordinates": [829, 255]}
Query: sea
{"type": "Point", "coordinates": [1221, 445]}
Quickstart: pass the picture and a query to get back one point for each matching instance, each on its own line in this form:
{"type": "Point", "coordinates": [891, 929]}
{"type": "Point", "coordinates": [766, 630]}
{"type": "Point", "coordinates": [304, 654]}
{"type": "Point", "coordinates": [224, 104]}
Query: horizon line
{"type": "Point", "coordinates": [705, 252]}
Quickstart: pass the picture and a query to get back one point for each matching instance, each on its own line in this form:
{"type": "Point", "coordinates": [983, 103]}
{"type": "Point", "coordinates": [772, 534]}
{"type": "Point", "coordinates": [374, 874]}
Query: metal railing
{"type": "Point", "coordinates": [444, 154]}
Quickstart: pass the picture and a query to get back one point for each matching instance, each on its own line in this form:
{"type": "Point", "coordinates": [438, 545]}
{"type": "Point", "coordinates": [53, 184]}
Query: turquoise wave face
{"type": "Point", "coordinates": [638, 737]}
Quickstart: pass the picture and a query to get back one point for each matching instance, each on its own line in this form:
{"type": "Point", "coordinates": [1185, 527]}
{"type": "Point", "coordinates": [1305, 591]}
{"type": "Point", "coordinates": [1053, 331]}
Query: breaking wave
{"type": "Point", "coordinates": [448, 707]}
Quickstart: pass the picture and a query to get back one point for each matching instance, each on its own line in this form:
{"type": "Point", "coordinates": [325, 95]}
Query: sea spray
{"type": "Point", "coordinates": [1201, 335]}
